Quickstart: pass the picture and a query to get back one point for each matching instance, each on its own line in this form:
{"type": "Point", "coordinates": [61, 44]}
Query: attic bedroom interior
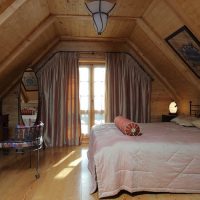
{"type": "Point", "coordinates": [99, 99]}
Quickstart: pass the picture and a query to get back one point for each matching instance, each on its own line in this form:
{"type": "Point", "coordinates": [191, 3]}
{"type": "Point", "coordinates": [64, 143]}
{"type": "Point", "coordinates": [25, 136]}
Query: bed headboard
{"type": "Point", "coordinates": [194, 110]}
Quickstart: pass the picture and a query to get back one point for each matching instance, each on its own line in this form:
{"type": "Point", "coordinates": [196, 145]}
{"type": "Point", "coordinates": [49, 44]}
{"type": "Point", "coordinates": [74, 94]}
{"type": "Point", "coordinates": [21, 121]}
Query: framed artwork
{"type": "Point", "coordinates": [29, 81]}
{"type": "Point", "coordinates": [187, 46]}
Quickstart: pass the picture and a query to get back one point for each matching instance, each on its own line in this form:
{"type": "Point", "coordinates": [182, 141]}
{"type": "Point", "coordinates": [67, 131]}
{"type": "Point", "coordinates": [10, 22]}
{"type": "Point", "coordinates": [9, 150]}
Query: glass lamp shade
{"type": "Point", "coordinates": [100, 22]}
{"type": "Point", "coordinates": [173, 107]}
{"type": "Point", "coordinates": [99, 9]}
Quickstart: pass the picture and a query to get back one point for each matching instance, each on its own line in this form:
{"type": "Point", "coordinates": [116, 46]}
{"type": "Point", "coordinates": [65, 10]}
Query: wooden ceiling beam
{"type": "Point", "coordinates": [36, 60]}
{"type": "Point", "coordinates": [153, 72]}
{"type": "Point", "coordinates": [167, 52]}
{"type": "Point", "coordinates": [27, 42]}
{"type": "Point", "coordinates": [11, 9]}
{"type": "Point", "coordinates": [86, 17]}
{"type": "Point", "coordinates": [8, 65]}
{"type": "Point", "coordinates": [5, 4]}
{"type": "Point", "coordinates": [93, 39]}
{"type": "Point", "coordinates": [45, 51]}
{"type": "Point", "coordinates": [111, 1]}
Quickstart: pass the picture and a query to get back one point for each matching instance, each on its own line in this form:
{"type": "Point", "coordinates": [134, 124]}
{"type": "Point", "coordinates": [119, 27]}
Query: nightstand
{"type": "Point", "coordinates": [167, 118]}
{"type": "Point", "coordinates": [4, 127]}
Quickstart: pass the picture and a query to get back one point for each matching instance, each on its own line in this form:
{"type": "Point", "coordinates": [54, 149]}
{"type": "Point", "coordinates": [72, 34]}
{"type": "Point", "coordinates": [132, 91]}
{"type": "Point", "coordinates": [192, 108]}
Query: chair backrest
{"type": "Point", "coordinates": [30, 133]}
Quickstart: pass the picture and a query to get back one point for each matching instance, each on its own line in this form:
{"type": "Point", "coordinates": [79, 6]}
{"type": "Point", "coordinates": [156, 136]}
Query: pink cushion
{"type": "Point", "coordinates": [127, 127]}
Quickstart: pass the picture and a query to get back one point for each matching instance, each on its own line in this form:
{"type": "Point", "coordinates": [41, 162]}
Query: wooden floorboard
{"type": "Point", "coordinates": [64, 176]}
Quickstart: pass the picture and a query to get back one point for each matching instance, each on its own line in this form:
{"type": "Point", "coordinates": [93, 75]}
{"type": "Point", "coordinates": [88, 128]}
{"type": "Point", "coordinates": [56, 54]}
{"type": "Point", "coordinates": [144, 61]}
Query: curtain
{"type": "Point", "coordinates": [59, 89]}
{"type": "Point", "coordinates": [128, 89]}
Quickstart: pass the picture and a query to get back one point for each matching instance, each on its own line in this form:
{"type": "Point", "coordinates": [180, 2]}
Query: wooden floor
{"type": "Point", "coordinates": [64, 176]}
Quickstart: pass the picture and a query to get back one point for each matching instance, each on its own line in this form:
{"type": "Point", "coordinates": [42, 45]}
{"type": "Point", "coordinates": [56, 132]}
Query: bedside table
{"type": "Point", "coordinates": [167, 118]}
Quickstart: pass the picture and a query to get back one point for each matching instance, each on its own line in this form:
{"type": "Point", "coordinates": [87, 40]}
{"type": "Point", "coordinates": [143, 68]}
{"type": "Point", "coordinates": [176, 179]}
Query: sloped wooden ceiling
{"type": "Point", "coordinates": [161, 19]}
{"type": "Point", "coordinates": [31, 28]}
{"type": "Point", "coordinates": [5, 4]}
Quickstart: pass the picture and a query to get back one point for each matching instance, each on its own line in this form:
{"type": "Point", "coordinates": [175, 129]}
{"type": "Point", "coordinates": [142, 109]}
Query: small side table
{"type": "Point", "coordinates": [167, 118]}
{"type": "Point", "coordinates": [4, 127]}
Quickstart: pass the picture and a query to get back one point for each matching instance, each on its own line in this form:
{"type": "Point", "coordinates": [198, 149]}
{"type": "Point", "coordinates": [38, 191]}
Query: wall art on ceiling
{"type": "Point", "coordinates": [29, 81]}
{"type": "Point", "coordinates": [187, 46]}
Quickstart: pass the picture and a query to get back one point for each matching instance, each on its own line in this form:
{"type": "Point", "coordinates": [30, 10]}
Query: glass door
{"type": "Point", "coordinates": [84, 92]}
{"type": "Point", "coordinates": [99, 94]}
{"type": "Point", "coordinates": [92, 95]}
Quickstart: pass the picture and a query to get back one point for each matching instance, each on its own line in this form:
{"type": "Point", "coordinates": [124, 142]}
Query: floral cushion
{"type": "Point", "coordinates": [127, 127]}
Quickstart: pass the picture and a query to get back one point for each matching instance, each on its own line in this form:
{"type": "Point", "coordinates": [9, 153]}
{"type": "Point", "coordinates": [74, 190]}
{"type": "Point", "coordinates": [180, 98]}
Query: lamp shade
{"type": "Point", "coordinates": [99, 9]}
{"type": "Point", "coordinates": [173, 107]}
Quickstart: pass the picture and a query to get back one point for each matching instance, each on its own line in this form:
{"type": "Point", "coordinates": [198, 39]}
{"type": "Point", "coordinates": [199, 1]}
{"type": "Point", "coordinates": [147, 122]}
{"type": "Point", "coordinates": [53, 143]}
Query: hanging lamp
{"type": "Point", "coordinates": [100, 9]}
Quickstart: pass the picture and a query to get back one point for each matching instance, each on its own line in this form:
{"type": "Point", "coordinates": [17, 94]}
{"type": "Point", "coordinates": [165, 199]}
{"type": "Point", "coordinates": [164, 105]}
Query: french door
{"type": "Point", "coordinates": [92, 95]}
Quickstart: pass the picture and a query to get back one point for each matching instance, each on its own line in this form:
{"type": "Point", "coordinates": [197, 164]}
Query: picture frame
{"type": "Point", "coordinates": [187, 47]}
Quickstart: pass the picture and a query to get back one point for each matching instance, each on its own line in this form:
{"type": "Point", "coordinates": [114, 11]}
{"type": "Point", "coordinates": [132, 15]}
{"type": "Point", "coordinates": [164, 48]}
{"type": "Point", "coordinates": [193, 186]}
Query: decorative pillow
{"type": "Point", "coordinates": [127, 127]}
{"type": "Point", "coordinates": [196, 123]}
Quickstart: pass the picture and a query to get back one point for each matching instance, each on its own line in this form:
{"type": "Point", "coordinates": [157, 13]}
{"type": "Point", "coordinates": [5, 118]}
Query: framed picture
{"type": "Point", "coordinates": [29, 81]}
{"type": "Point", "coordinates": [186, 45]}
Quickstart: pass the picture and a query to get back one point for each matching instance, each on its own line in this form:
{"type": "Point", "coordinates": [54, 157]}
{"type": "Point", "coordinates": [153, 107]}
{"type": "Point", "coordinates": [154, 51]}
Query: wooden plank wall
{"type": "Point", "coordinates": [10, 106]}
{"type": "Point", "coordinates": [161, 97]}
{"type": "Point", "coordinates": [143, 24]}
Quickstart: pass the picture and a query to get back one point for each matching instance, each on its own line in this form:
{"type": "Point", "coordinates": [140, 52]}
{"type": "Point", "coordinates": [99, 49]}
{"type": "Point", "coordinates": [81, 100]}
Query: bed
{"type": "Point", "coordinates": [166, 158]}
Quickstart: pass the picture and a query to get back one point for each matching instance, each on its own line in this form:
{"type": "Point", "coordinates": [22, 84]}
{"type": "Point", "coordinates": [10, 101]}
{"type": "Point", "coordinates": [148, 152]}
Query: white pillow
{"type": "Point", "coordinates": [177, 119]}
{"type": "Point", "coordinates": [190, 118]}
{"type": "Point", "coordinates": [196, 123]}
{"type": "Point", "coordinates": [184, 120]}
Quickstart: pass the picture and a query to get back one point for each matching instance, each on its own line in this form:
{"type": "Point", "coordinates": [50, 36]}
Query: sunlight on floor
{"type": "Point", "coordinates": [63, 159]}
{"type": "Point", "coordinates": [65, 172]}
{"type": "Point", "coordinates": [75, 162]}
{"type": "Point", "coordinates": [84, 153]}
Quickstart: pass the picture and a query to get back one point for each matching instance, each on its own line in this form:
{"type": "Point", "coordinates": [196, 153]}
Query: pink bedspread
{"type": "Point", "coordinates": [166, 158]}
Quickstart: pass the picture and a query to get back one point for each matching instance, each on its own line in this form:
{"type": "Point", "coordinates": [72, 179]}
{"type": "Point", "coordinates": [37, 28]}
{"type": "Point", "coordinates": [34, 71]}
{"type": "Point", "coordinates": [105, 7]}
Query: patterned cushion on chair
{"type": "Point", "coordinates": [127, 127]}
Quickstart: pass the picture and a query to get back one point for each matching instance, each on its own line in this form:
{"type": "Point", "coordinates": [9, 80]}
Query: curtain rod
{"type": "Point", "coordinates": [93, 52]}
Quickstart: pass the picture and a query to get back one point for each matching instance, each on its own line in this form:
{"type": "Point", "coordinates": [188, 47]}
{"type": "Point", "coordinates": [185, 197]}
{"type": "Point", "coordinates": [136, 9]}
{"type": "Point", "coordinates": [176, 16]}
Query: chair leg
{"type": "Point", "coordinates": [37, 164]}
{"type": "Point", "coordinates": [30, 157]}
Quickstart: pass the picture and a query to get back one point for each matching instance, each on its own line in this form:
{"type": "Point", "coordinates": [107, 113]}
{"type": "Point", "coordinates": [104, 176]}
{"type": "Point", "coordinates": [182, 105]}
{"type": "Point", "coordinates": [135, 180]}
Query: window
{"type": "Point", "coordinates": [92, 95]}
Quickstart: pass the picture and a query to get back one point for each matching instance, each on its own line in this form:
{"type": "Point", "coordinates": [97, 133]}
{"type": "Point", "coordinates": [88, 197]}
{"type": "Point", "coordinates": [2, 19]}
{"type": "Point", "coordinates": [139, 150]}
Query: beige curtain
{"type": "Point", "coordinates": [59, 89]}
{"type": "Point", "coordinates": [128, 89]}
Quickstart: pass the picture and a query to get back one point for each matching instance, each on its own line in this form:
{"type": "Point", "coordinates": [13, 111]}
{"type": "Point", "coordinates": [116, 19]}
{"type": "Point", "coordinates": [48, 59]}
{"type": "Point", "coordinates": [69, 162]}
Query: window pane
{"type": "Point", "coordinates": [99, 118]}
{"type": "Point", "coordinates": [99, 89]}
{"type": "Point", "coordinates": [99, 103]}
{"type": "Point", "coordinates": [99, 74]}
{"type": "Point", "coordinates": [84, 103]}
{"type": "Point", "coordinates": [84, 89]}
{"type": "Point", "coordinates": [85, 123]}
{"type": "Point", "coordinates": [83, 74]}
